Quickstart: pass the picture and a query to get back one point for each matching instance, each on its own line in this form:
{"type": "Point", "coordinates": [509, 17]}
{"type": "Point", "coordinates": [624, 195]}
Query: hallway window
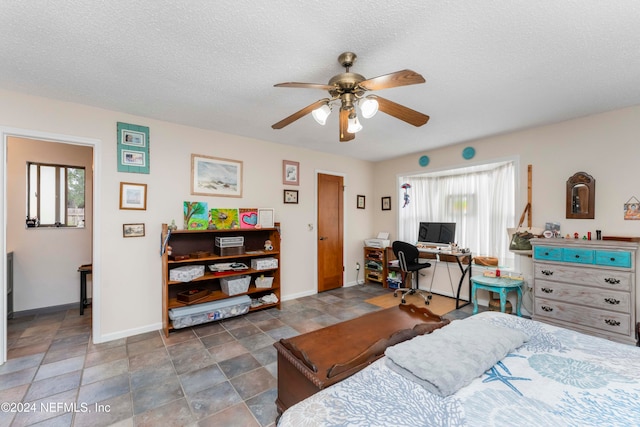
{"type": "Point", "coordinates": [55, 195]}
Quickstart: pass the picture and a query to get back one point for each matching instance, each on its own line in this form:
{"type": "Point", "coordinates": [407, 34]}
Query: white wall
{"type": "Point", "coordinates": [130, 276]}
{"type": "Point", "coordinates": [604, 146]}
{"type": "Point", "coordinates": [45, 259]}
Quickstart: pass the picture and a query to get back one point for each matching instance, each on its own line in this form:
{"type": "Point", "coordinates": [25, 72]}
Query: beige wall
{"type": "Point", "coordinates": [130, 276]}
{"type": "Point", "coordinates": [604, 146]}
{"type": "Point", "coordinates": [45, 259]}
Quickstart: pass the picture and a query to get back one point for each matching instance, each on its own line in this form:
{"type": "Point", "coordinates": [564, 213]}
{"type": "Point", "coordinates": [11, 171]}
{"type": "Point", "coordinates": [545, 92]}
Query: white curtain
{"type": "Point", "coordinates": [479, 199]}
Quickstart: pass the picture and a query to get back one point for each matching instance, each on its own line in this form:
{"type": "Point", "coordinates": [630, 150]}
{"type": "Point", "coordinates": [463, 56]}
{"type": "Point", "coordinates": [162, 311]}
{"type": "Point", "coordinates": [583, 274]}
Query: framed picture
{"type": "Point", "coordinates": [248, 217]}
{"type": "Point", "coordinates": [133, 148]}
{"type": "Point", "coordinates": [133, 230]}
{"type": "Point", "coordinates": [291, 196]}
{"type": "Point", "coordinates": [133, 196]}
{"type": "Point", "coordinates": [224, 219]}
{"type": "Point", "coordinates": [290, 172]}
{"type": "Point", "coordinates": [212, 176]}
{"type": "Point", "coordinates": [266, 218]}
{"type": "Point", "coordinates": [360, 203]}
{"type": "Point", "coordinates": [386, 203]}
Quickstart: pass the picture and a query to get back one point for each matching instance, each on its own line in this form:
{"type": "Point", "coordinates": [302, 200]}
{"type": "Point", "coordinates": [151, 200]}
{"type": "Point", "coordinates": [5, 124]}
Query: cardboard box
{"type": "Point", "coordinates": [192, 295]}
{"type": "Point", "coordinates": [186, 273]}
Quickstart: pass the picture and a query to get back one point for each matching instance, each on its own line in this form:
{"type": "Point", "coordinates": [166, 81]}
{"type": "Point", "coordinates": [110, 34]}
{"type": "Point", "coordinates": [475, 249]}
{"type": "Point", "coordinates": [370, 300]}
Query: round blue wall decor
{"type": "Point", "coordinates": [468, 153]}
{"type": "Point", "coordinates": [424, 161]}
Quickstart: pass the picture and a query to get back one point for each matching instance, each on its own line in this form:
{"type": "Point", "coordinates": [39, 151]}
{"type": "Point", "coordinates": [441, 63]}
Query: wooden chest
{"type": "Point", "coordinates": [310, 362]}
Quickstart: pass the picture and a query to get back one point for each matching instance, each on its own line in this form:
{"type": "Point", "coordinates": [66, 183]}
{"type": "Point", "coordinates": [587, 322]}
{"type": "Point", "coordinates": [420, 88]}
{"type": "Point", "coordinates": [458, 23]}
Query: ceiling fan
{"type": "Point", "coordinates": [348, 89]}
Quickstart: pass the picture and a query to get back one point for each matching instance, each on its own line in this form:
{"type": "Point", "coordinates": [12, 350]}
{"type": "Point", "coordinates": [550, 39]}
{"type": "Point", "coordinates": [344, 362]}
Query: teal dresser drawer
{"type": "Point", "coordinates": [614, 258]}
{"type": "Point", "coordinates": [547, 253]}
{"type": "Point", "coordinates": [580, 256]}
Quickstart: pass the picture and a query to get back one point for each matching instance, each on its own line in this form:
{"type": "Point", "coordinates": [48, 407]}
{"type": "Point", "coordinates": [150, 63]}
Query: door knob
{"type": "Point", "coordinates": [322, 238]}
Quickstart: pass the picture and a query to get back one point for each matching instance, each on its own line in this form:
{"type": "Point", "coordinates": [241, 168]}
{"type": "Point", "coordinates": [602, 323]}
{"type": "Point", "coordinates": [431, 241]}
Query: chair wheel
{"type": "Point", "coordinates": [426, 302]}
{"type": "Point", "coordinates": [395, 295]}
{"type": "Point", "coordinates": [429, 296]}
{"type": "Point", "coordinates": [403, 301]}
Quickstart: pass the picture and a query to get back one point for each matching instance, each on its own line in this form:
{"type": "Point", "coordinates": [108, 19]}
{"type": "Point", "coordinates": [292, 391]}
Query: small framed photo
{"type": "Point", "coordinates": [133, 196]}
{"type": "Point", "coordinates": [360, 203]}
{"type": "Point", "coordinates": [133, 148]}
{"type": "Point", "coordinates": [213, 176]}
{"type": "Point", "coordinates": [386, 203]}
{"type": "Point", "coordinates": [290, 172]}
{"type": "Point", "coordinates": [266, 218]}
{"type": "Point", "coordinates": [133, 230]}
{"type": "Point", "coordinates": [291, 196]}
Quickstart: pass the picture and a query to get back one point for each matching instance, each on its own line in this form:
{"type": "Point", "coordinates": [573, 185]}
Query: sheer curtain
{"type": "Point", "coordinates": [479, 199]}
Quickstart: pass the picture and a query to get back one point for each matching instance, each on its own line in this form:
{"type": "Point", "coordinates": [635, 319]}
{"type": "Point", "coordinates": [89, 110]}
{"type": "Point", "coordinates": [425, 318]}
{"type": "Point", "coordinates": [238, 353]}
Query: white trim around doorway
{"type": "Point", "coordinates": [96, 144]}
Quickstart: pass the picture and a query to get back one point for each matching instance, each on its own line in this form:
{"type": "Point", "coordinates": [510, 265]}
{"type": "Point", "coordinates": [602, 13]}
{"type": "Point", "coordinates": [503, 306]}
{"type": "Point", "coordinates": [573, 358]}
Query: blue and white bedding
{"type": "Point", "coordinates": [558, 377]}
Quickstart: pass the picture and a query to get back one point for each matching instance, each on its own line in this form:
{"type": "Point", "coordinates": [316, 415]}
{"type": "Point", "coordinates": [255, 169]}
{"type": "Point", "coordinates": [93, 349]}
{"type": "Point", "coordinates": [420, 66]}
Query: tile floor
{"type": "Point", "coordinates": [218, 374]}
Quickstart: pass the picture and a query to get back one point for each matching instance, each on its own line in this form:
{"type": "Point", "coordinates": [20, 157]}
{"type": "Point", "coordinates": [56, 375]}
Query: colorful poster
{"type": "Point", "coordinates": [224, 219]}
{"type": "Point", "coordinates": [196, 216]}
{"type": "Point", "coordinates": [248, 217]}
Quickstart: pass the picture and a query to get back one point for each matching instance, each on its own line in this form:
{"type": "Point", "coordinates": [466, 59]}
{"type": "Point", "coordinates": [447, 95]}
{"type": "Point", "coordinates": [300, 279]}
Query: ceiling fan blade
{"type": "Point", "coordinates": [306, 85]}
{"type": "Point", "coordinates": [399, 78]}
{"type": "Point", "coordinates": [298, 114]}
{"type": "Point", "coordinates": [344, 124]}
{"type": "Point", "coordinates": [401, 112]}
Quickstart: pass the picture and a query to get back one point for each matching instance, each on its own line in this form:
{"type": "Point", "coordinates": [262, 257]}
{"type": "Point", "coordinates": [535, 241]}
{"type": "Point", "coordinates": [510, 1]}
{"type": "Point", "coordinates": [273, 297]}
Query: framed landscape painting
{"type": "Point", "coordinates": [213, 176]}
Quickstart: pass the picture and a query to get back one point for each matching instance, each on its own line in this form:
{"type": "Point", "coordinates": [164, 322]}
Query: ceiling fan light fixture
{"type": "Point", "coordinates": [354, 125]}
{"type": "Point", "coordinates": [321, 113]}
{"type": "Point", "coordinates": [368, 107]}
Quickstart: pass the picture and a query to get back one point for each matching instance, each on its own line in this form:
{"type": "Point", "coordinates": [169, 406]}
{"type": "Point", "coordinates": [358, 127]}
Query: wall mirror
{"type": "Point", "coordinates": [581, 196]}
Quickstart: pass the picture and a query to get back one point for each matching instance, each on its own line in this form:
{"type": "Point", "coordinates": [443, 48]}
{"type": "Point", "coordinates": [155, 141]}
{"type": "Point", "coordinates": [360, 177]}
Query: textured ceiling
{"type": "Point", "coordinates": [490, 66]}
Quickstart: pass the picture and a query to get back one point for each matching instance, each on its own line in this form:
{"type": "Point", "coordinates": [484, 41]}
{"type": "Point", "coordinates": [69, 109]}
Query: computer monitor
{"type": "Point", "coordinates": [438, 233]}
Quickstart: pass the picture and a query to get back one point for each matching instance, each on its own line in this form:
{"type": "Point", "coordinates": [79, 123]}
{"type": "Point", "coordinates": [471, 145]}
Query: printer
{"type": "Point", "coordinates": [381, 241]}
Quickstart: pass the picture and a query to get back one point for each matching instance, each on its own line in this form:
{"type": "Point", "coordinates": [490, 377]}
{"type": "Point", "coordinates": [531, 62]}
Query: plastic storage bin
{"type": "Point", "coordinates": [208, 312]}
{"type": "Point", "coordinates": [235, 285]}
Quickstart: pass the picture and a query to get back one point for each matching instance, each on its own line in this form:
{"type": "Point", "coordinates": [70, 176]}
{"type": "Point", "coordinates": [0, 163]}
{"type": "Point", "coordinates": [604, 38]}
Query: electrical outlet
{"type": "Point", "coordinates": [357, 266]}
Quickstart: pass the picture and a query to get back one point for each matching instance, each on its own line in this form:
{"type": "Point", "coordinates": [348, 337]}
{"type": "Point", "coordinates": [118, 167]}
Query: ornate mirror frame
{"type": "Point", "coordinates": [581, 196]}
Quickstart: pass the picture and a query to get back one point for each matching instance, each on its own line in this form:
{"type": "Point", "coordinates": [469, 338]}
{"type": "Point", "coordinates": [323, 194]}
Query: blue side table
{"type": "Point", "coordinates": [499, 285]}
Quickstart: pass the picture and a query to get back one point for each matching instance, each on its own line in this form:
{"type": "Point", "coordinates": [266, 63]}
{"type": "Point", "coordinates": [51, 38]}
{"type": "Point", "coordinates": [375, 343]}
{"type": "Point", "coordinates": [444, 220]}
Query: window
{"type": "Point", "coordinates": [479, 199]}
{"type": "Point", "coordinates": [55, 195]}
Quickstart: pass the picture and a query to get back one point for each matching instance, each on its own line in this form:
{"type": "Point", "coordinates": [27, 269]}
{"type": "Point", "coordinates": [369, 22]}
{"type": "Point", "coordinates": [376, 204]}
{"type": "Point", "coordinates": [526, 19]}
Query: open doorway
{"type": "Point", "coordinates": [56, 252]}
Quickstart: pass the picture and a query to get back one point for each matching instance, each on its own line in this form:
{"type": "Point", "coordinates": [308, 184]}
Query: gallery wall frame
{"type": "Point", "coordinates": [386, 203]}
{"type": "Point", "coordinates": [266, 218]}
{"type": "Point", "coordinates": [360, 201]}
{"type": "Point", "coordinates": [291, 196]}
{"type": "Point", "coordinates": [133, 230]}
{"type": "Point", "coordinates": [215, 176]}
{"type": "Point", "coordinates": [290, 172]}
{"type": "Point", "coordinates": [133, 196]}
{"type": "Point", "coordinates": [133, 148]}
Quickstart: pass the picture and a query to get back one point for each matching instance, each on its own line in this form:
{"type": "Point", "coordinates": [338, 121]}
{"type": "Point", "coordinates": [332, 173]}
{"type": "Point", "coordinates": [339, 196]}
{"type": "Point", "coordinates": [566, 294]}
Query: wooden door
{"type": "Point", "coordinates": [330, 231]}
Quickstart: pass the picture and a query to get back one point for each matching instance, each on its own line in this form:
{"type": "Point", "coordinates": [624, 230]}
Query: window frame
{"type": "Point", "coordinates": [61, 210]}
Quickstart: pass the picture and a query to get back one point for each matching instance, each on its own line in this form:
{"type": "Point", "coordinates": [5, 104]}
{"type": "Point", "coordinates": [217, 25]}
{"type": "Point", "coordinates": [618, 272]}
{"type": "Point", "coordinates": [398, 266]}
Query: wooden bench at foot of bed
{"type": "Point", "coordinates": [310, 362]}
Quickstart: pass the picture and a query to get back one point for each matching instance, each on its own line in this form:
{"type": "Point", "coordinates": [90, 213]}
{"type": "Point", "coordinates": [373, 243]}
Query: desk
{"type": "Point", "coordinates": [440, 254]}
{"type": "Point", "coordinates": [84, 270]}
{"type": "Point", "coordinates": [499, 285]}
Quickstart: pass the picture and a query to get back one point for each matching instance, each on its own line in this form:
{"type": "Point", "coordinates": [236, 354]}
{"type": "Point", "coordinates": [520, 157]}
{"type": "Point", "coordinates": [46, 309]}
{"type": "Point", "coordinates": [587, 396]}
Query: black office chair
{"type": "Point", "coordinates": [409, 260]}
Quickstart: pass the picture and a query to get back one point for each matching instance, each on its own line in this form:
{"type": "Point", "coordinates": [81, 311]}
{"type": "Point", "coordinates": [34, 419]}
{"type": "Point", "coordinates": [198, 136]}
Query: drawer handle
{"type": "Point", "coordinates": [546, 290]}
{"type": "Point", "coordinates": [612, 280]}
{"type": "Point", "coordinates": [546, 254]}
{"type": "Point", "coordinates": [612, 301]}
{"type": "Point", "coordinates": [611, 322]}
{"type": "Point", "coordinates": [612, 259]}
{"type": "Point", "coordinates": [546, 308]}
{"type": "Point", "coordinates": [577, 256]}
{"type": "Point", "coordinates": [547, 272]}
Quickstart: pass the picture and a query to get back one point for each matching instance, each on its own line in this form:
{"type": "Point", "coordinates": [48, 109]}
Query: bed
{"type": "Point", "coordinates": [556, 377]}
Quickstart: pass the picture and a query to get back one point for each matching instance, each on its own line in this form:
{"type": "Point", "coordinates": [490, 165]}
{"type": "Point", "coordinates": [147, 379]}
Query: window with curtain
{"type": "Point", "coordinates": [479, 199]}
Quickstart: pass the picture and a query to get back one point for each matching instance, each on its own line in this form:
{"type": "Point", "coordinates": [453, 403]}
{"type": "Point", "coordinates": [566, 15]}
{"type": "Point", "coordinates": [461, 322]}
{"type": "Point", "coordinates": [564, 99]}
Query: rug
{"type": "Point", "coordinates": [439, 304]}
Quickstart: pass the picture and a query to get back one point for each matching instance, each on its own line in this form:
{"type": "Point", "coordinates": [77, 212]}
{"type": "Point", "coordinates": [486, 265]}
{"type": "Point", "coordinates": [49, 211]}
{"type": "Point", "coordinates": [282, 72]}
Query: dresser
{"type": "Point", "coordinates": [586, 285]}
